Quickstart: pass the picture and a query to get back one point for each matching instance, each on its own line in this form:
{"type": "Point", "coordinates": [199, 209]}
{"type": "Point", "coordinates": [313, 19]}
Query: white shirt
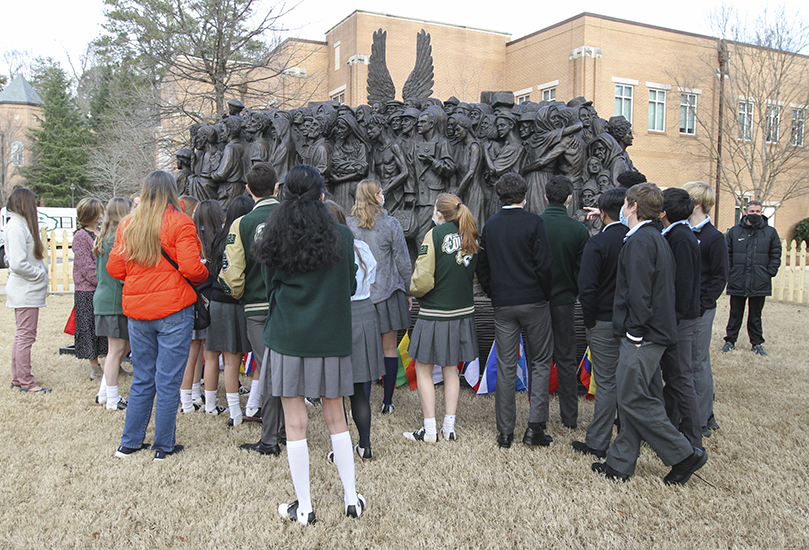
{"type": "Point", "coordinates": [367, 276]}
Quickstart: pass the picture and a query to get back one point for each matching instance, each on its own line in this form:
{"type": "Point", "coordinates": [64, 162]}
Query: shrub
{"type": "Point", "coordinates": [802, 231]}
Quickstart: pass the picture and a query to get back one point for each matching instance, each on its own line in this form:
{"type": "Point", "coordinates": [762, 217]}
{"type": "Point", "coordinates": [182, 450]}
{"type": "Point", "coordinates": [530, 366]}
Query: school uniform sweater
{"type": "Point", "coordinates": [713, 251]}
{"type": "Point", "coordinates": [599, 266]}
{"type": "Point", "coordinates": [685, 248]}
{"type": "Point", "coordinates": [567, 238]}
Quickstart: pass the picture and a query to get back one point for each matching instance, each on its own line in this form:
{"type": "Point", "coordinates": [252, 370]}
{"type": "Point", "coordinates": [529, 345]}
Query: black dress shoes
{"type": "Point", "coordinates": [583, 448]}
{"type": "Point", "coordinates": [536, 438]}
{"type": "Point", "coordinates": [682, 471]}
{"type": "Point", "coordinates": [261, 448]}
{"type": "Point", "coordinates": [504, 440]}
{"type": "Point", "coordinates": [608, 472]}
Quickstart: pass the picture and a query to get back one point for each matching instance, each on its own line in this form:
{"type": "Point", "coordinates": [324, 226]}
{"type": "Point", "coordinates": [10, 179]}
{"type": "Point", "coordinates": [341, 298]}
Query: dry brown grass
{"type": "Point", "coordinates": [62, 487]}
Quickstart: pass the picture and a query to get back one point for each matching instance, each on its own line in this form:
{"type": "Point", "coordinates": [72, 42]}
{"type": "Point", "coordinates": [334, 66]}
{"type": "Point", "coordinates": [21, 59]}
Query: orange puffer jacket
{"type": "Point", "coordinates": [157, 292]}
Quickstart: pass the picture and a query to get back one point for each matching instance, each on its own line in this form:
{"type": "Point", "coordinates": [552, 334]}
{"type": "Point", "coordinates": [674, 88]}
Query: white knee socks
{"type": "Point", "coordinates": [344, 460]}
{"type": "Point", "coordinates": [254, 400]}
{"type": "Point", "coordinates": [298, 457]}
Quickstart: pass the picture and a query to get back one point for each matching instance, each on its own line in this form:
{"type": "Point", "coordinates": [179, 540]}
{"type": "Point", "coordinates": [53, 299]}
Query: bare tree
{"type": "Point", "coordinates": [756, 140]}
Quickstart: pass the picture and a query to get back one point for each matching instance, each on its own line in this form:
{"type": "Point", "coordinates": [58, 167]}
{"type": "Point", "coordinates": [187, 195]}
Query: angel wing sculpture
{"type": "Point", "coordinates": [420, 82]}
{"type": "Point", "coordinates": [380, 84]}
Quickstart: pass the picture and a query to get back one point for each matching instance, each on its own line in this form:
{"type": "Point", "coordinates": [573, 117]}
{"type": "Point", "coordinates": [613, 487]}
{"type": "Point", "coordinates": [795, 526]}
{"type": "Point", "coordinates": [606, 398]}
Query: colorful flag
{"type": "Point", "coordinates": [585, 374]}
{"type": "Point", "coordinates": [249, 363]}
{"type": "Point", "coordinates": [488, 382]}
{"type": "Point", "coordinates": [471, 373]}
{"type": "Point", "coordinates": [407, 366]}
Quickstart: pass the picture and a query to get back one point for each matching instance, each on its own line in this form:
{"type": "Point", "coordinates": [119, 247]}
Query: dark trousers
{"type": "Point", "coordinates": [754, 330]}
{"type": "Point", "coordinates": [535, 320]}
{"type": "Point", "coordinates": [604, 350]}
{"type": "Point", "coordinates": [272, 415]}
{"type": "Point", "coordinates": [679, 394]}
{"type": "Point", "coordinates": [564, 355]}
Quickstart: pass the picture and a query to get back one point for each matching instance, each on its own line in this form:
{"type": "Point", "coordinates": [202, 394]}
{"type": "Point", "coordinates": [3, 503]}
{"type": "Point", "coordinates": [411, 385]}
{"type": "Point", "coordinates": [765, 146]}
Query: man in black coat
{"type": "Point", "coordinates": [754, 256]}
{"type": "Point", "coordinates": [514, 270]}
{"type": "Point", "coordinates": [644, 318]}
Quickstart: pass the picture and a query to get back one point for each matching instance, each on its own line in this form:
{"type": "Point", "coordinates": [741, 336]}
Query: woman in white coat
{"type": "Point", "coordinates": [27, 283]}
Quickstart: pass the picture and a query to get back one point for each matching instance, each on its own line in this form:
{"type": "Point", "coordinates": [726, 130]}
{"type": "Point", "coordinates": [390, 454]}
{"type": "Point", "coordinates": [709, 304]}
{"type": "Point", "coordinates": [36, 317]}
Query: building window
{"type": "Point", "coordinates": [798, 118]}
{"type": "Point", "coordinates": [339, 98]}
{"type": "Point", "coordinates": [336, 56]}
{"type": "Point", "coordinates": [525, 98]}
{"type": "Point", "coordinates": [773, 123]}
{"type": "Point", "coordinates": [549, 94]}
{"type": "Point", "coordinates": [17, 154]}
{"type": "Point", "coordinates": [623, 101]}
{"type": "Point", "coordinates": [745, 120]}
{"type": "Point", "coordinates": [657, 110]}
{"type": "Point", "coordinates": [688, 114]}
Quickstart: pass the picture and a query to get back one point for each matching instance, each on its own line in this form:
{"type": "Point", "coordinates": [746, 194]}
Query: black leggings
{"type": "Point", "coordinates": [361, 412]}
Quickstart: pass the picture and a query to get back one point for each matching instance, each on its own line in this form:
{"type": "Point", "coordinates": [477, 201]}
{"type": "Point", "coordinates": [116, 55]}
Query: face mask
{"type": "Point", "coordinates": [383, 201]}
{"type": "Point", "coordinates": [754, 219]}
{"type": "Point", "coordinates": [435, 221]}
{"type": "Point", "coordinates": [623, 219]}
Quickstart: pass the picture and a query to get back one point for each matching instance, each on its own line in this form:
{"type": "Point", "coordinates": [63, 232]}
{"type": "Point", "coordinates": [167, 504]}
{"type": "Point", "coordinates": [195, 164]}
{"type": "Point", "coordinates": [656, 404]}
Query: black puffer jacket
{"type": "Point", "coordinates": [754, 256]}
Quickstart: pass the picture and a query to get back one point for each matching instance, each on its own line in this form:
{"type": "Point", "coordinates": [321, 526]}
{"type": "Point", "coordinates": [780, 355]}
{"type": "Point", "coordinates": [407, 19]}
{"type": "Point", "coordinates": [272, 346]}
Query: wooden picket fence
{"type": "Point", "coordinates": [792, 282]}
{"type": "Point", "coordinates": [60, 275]}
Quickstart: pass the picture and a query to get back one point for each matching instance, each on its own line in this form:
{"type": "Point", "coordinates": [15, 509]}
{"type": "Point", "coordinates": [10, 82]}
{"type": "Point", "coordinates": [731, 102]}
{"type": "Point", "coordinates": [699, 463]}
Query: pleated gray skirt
{"type": "Point", "coordinates": [311, 376]}
{"type": "Point", "coordinates": [200, 334]}
{"type": "Point", "coordinates": [444, 343]}
{"type": "Point", "coordinates": [112, 326]}
{"type": "Point", "coordinates": [228, 329]}
{"type": "Point", "coordinates": [393, 313]}
{"type": "Point", "coordinates": [366, 358]}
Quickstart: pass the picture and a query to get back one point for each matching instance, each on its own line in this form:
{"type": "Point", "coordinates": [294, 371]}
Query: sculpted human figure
{"type": "Point", "coordinates": [282, 155]}
{"type": "Point", "coordinates": [230, 172]}
{"type": "Point", "coordinates": [256, 149]}
{"type": "Point", "coordinates": [297, 120]}
{"type": "Point", "coordinates": [571, 162]}
{"type": "Point", "coordinates": [471, 187]}
{"type": "Point", "coordinates": [208, 157]}
{"type": "Point", "coordinates": [434, 167]}
{"type": "Point", "coordinates": [349, 161]}
{"type": "Point", "coordinates": [477, 112]}
{"type": "Point", "coordinates": [388, 164]}
{"type": "Point", "coordinates": [510, 154]}
{"type": "Point", "coordinates": [319, 152]}
{"type": "Point", "coordinates": [611, 154]}
{"type": "Point", "coordinates": [407, 141]}
{"type": "Point", "coordinates": [621, 129]}
{"type": "Point", "coordinates": [183, 157]}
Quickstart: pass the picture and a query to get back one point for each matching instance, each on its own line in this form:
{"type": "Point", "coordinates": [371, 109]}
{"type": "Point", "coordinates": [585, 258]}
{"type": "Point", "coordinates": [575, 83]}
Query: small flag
{"type": "Point", "coordinates": [407, 366]}
{"type": "Point", "coordinates": [471, 373]}
{"type": "Point", "coordinates": [585, 374]}
{"type": "Point", "coordinates": [488, 383]}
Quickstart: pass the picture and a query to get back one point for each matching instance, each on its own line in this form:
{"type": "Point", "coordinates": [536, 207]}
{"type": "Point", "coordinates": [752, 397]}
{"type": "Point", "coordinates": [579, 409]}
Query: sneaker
{"type": "Point", "coordinates": [233, 422]}
{"type": "Point", "coordinates": [199, 402]}
{"type": "Point", "coordinates": [421, 435]}
{"type": "Point", "coordinates": [355, 511]}
{"type": "Point", "coordinates": [160, 455]}
{"type": "Point", "coordinates": [758, 349]}
{"type": "Point", "coordinates": [290, 512]}
{"type": "Point", "coordinates": [364, 453]}
{"type": "Point", "coordinates": [96, 372]}
{"type": "Point", "coordinates": [119, 406]}
{"type": "Point", "coordinates": [388, 409]}
{"type": "Point", "coordinates": [194, 408]}
{"type": "Point", "coordinates": [313, 401]}
{"type": "Point", "coordinates": [244, 390]}
{"type": "Point", "coordinates": [218, 410]}
{"type": "Point", "coordinates": [125, 452]}
{"type": "Point", "coordinates": [729, 346]}
{"type": "Point", "coordinates": [252, 415]}
{"type": "Point", "coordinates": [99, 400]}
{"type": "Point", "coordinates": [448, 436]}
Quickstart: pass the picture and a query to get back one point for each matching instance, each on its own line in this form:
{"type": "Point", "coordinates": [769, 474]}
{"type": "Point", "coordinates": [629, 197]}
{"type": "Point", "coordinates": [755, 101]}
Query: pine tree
{"type": "Point", "coordinates": [60, 146]}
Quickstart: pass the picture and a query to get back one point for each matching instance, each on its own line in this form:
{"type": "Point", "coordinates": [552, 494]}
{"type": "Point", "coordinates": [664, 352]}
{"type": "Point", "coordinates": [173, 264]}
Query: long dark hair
{"type": "Point", "coordinates": [208, 220]}
{"type": "Point", "coordinates": [238, 207]}
{"type": "Point", "coordinates": [301, 235]}
{"type": "Point", "coordinates": [23, 201]}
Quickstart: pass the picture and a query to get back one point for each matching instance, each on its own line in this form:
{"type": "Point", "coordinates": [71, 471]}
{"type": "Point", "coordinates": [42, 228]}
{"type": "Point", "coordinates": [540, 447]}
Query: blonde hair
{"type": "Point", "coordinates": [189, 204]}
{"type": "Point", "coordinates": [453, 210]}
{"type": "Point", "coordinates": [140, 238]}
{"type": "Point", "coordinates": [87, 212]}
{"type": "Point", "coordinates": [23, 201]}
{"type": "Point", "coordinates": [366, 207]}
{"type": "Point", "coordinates": [117, 209]}
{"type": "Point", "coordinates": [702, 194]}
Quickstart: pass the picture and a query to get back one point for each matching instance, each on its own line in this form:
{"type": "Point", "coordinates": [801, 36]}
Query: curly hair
{"type": "Point", "coordinates": [301, 235]}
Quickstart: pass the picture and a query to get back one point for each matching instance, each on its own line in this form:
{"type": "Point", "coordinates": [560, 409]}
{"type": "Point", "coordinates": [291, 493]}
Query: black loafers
{"type": "Point", "coordinates": [536, 438]}
{"type": "Point", "coordinates": [681, 472]}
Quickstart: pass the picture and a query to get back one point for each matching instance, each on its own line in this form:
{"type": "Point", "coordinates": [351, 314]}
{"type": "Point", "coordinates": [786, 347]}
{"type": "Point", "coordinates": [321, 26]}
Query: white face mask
{"type": "Point", "coordinates": [624, 220]}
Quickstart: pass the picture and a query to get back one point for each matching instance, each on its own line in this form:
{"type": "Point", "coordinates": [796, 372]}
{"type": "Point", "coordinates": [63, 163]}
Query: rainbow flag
{"type": "Point", "coordinates": [407, 365]}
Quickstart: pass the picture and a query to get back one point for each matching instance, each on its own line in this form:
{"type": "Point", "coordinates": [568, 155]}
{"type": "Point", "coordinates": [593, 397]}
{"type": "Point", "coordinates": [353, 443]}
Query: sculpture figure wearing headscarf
{"type": "Point", "coordinates": [349, 161]}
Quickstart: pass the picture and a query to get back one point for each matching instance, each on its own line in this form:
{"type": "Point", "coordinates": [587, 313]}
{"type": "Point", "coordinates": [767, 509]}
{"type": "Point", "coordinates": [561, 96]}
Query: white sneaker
{"type": "Point", "coordinates": [421, 435]}
{"type": "Point", "coordinates": [119, 405]}
{"type": "Point", "coordinates": [101, 400]}
{"type": "Point", "coordinates": [448, 436]}
{"type": "Point", "coordinates": [355, 511]}
{"type": "Point", "coordinates": [290, 512]}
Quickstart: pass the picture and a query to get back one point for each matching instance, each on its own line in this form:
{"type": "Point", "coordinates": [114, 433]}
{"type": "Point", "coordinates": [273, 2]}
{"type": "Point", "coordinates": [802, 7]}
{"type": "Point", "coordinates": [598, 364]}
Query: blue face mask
{"type": "Point", "coordinates": [623, 219]}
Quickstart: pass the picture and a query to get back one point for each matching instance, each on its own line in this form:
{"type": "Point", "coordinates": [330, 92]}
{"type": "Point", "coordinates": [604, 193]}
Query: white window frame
{"type": "Point", "coordinates": [657, 104]}
{"type": "Point", "coordinates": [746, 119]}
{"type": "Point", "coordinates": [687, 107]}
{"type": "Point", "coordinates": [338, 94]}
{"type": "Point", "coordinates": [798, 126]}
{"type": "Point", "coordinates": [17, 153]}
{"type": "Point", "coordinates": [337, 56]}
{"type": "Point", "coordinates": [522, 96]}
{"type": "Point", "coordinates": [773, 128]}
{"type": "Point", "coordinates": [624, 96]}
{"type": "Point", "coordinates": [547, 90]}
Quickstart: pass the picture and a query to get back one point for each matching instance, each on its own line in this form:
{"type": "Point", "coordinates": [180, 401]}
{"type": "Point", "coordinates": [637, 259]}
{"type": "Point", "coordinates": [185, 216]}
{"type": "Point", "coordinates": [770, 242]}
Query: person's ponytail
{"type": "Point", "coordinates": [453, 210]}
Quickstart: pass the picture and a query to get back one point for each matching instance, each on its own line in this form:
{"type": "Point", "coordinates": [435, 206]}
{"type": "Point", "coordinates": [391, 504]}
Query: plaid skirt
{"type": "Point", "coordinates": [444, 343]}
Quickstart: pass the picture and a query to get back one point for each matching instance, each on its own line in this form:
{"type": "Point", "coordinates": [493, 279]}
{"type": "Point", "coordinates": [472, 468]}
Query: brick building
{"type": "Point", "coordinates": [19, 107]}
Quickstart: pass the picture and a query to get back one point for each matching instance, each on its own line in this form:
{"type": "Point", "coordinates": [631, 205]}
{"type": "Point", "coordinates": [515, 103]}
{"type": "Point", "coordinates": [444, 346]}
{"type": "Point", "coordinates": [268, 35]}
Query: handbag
{"type": "Point", "coordinates": [202, 312]}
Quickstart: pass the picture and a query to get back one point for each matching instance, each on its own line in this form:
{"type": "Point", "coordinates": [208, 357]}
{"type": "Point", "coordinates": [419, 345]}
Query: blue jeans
{"type": "Point", "coordinates": [159, 353]}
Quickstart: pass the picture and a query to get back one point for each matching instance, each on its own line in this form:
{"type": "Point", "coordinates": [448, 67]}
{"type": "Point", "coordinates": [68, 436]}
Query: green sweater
{"type": "Point", "coordinates": [311, 312]}
{"type": "Point", "coordinates": [567, 238]}
{"type": "Point", "coordinates": [107, 297]}
{"type": "Point", "coordinates": [240, 276]}
{"type": "Point", "coordinates": [443, 275]}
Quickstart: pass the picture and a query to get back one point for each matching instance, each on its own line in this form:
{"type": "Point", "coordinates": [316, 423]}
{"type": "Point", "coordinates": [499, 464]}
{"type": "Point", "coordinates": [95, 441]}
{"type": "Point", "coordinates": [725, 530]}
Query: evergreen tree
{"type": "Point", "coordinates": [60, 146]}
